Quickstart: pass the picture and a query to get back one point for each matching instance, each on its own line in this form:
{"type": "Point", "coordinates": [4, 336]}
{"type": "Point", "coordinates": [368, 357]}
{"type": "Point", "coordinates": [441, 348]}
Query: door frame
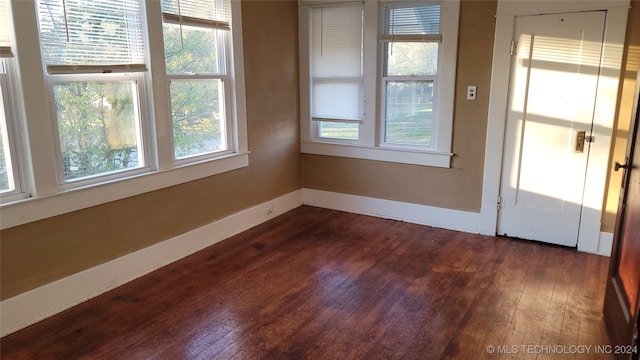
{"type": "Point", "coordinates": [605, 108]}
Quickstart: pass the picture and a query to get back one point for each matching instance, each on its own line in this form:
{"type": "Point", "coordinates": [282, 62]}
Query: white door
{"type": "Point", "coordinates": [554, 76]}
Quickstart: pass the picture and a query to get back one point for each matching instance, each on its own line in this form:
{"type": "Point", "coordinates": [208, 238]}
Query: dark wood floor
{"type": "Point", "coordinates": [321, 284]}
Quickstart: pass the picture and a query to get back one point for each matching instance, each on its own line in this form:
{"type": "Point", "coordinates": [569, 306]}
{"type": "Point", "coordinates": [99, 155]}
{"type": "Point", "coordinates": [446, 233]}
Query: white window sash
{"type": "Point", "coordinates": [194, 21]}
{"type": "Point", "coordinates": [412, 38]}
{"type": "Point", "coordinates": [346, 121]}
{"type": "Point", "coordinates": [93, 69]}
{"type": "Point", "coordinates": [142, 131]}
{"type": "Point", "coordinates": [326, 73]}
{"type": "Point", "coordinates": [174, 13]}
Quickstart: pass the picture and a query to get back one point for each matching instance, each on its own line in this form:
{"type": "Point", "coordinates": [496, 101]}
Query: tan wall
{"type": "Point", "coordinates": [623, 119]}
{"type": "Point", "coordinates": [37, 253]}
{"type": "Point", "coordinates": [457, 188]}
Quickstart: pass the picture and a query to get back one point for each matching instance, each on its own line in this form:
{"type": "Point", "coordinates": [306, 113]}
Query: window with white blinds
{"type": "Point", "coordinates": [377, 79]}
{"type": "Point", "coordinates": [336, 63]}
{"type": "Point", "coordinates": [411, 23]}
{"type": "Point", "coordinates": [204, 13]}
{"type": "Point", "coordinates": [410, 39]}
{"type": "Point", "coordinates": [196, 44]}
{"type": "Point", "coordinates": [108, 120]}
{"type": "Point", "coordinates": [5, 38]}
{"type": "Point", "coordinates": [91, 36]}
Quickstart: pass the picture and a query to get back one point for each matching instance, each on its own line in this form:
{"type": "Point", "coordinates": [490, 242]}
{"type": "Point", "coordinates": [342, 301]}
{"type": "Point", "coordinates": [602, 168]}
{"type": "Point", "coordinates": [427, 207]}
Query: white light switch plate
{"type": "Point", "coordinates": [471, 92]}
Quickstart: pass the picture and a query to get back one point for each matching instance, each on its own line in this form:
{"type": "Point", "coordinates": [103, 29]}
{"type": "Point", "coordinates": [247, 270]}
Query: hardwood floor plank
{"type": "Point", "coordinates": [322, 284]}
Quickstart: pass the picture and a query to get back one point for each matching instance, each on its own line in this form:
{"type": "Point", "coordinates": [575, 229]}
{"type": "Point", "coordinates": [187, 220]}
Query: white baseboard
{"type": "Point", "coordinates": [605, 244]}
{"type": "Point", "coordinates": [598, 243]}
{"type": "Point", "coordinates": [389, 209]}
{"type": "Point", "coordinates": [32, 306]}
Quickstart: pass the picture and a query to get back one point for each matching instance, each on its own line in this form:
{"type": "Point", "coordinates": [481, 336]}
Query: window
{"type": "Point", "coordinates": [7, 148]}
{"type": "Point", "coordinates": [116, 129]}
{"type": "Point", "coordinates": [196, 44]}
{"type": "Point", "coordinates": [336, 65]}
{"type": "Point", "coordinates": [94, 57]}
{"type": "Point", "coordinates": [10, 180]}
{"type": "Point", "coordinates": [410, 40]}
{"type": "Point", "coordinates": [377, 79]}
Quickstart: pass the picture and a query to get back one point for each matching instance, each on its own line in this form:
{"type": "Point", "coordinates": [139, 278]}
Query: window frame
{"type": "Point", "coordinates": [12, 133]}
{"type": "Point", "coordinates": [371, 145]}
{"type": "Point", "coordinates": [59, 72]}
{"type": "Point", "coordinates": [47, 197]}
{"type": "Point", "coordinates": [224, 44]}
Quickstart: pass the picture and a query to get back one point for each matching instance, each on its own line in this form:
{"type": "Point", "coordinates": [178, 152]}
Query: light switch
{"type": "Point", "coordinates": [471, 92]}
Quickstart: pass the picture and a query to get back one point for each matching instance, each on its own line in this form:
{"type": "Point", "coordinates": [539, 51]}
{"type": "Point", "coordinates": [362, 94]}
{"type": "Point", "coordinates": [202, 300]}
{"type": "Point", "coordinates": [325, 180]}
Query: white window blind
{"type": "Point", "coordinates": [336, 62]}
{"type": "Point", "coordinates": [5, 39]}
{"type": "Point", "coordinates": [205, 13]}
{"type": "Point", "coordinates": [91, 36]}
{"type": "Point", "coordinates": [411, 23]}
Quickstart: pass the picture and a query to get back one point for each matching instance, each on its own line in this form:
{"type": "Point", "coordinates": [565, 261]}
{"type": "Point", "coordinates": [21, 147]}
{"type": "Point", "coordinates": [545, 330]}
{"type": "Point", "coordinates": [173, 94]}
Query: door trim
{"type": "Point", "coordinates": [605, 107]}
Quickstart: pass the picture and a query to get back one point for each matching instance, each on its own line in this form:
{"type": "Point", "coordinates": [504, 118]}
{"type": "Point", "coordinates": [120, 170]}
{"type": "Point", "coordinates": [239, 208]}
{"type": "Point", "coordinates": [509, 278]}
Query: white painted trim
{"type": "Point", "coordinates": [27, 308]}
{"type": "Point", "coordinates": [604, 115]}
{"type": "Point", "coordinates": [615, 28]}
{"type": "Point", "coordinates": [238, 87]}
{"type": "Point", "coordinates": [496, 124]}
{"type": "Point", "coordinates": [389, 209]}
{"type": "Point", "coordinates": [605, 244]}
{"type": "Point", "coordinates": [599, 245]}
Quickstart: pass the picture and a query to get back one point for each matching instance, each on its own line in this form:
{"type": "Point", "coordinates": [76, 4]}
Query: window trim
{"type": "Point", "coordinates": [371, 145]}
{"type": "Point", "coordinates": [48, 198]}
{"type": "Point", "coordinates": [13, 133]}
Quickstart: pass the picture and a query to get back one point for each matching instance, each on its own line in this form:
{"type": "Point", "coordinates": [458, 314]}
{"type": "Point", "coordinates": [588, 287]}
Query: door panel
{"type": "Point", "coordinates": [621, 303]}
{"type": "Point", "coordinates": [629, 265]}
{"type": "Point", "coordinates": [551, 104]}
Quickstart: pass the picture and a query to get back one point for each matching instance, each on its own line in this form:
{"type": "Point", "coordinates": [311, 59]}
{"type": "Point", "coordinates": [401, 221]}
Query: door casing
{"type": "Point", "coordinates": [604, 114]}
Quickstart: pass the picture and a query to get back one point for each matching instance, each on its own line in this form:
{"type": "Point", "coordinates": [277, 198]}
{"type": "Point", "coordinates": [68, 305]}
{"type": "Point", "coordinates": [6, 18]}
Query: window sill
{"type": "Point", "coordinates": [403, 156]}
{"type": "Point", "coordinates": [33, 209]}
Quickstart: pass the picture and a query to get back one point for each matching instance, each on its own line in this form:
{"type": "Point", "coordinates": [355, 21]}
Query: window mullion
{"type": "Point", "coordinates": [223, 65]}
{"type": "Point", "coordinates": [160, 98]}
{"type": "Point", "coordinates": [236, 84]}
{"type": "Point", "coordinates": [40, 147]}
{"type": "Point", "coordinates": [369, 128]}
